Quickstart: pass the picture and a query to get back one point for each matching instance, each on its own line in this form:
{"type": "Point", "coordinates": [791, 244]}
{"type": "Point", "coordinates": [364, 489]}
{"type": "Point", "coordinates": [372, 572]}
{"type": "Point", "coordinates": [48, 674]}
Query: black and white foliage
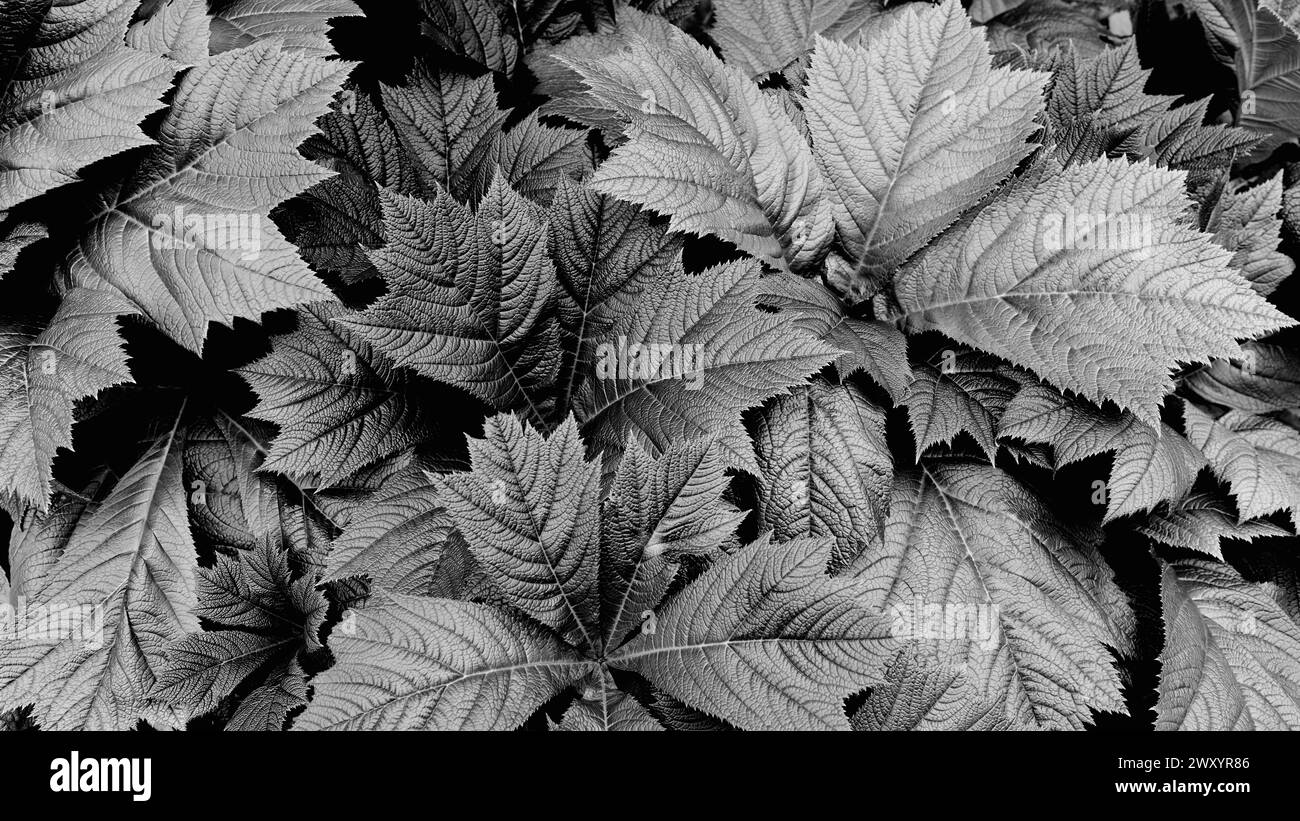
{"type": "Point", "coordinates": [730, 364]}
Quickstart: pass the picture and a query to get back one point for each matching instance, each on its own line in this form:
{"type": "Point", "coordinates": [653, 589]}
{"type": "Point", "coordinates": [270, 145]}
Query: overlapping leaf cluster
{"type": "Point", "coordinates": [839, 364]}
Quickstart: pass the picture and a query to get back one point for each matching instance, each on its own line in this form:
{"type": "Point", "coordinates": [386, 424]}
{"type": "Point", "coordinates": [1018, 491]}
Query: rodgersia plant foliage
{"type": "Point", "coordinates": [790, 364]}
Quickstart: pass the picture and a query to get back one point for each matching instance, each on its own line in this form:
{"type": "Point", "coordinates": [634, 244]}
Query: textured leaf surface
{"type": "Point", "coordinates": [969, 392]}
{"type": "Point", "coordinates": [530, 511]}
{"type": "Point", "coordinates": [1152, 465]}
{"type": "Point", "coordinates": [658, 511]}
{"type": "Point", "coordinates": [1249, 224]}
{"type": "Point", "coordinates": [472, 29]}
{"type": "Point", "coordinates": [129, 570]}
{"type": "Point", "coordinates": [1232, 656]}
{"type": "Point", "coordinates": [1266, 379]}
{"type": "Point", "coordinates": [729, 357]}
{"type": "Point", "coordinates": [187, 238]}
{"type": "Point", "coordinates": [1106, 311]}
{"type": "Point", "coordinates": [766, 640]}
{"type": "Point", "coordinates": [826, 468]}
{"type": "Point", "coordinates": [435, 664]}
{"type": "Point", "coordinates": [1201, 522]}
{"type": "Point", "coordinates": [707, 148]}
{"type": "Point", "coordinates": [338, 405]}
{"type": "Point", "coordinates": [73, 92]}
{"type": "Point", "coordinates": [1257, 456]}
{"type": "Point", "coordinates": [921, 692]}
{"type": "Point", "coordinates": [301, 23]}
{"type": "Point", "coordinates": [1031, 606]}
{"type": "Point", "coordinates": [470, 298]}
{"type": "Point", "coordinates": [912, 127]}
{"type": "Point", "coordinates": [179, 31]}
{"type": "Point", "coordinates": [395, 540]}
{"type": "Point", "coordinates": [879, 349]}
{"type": "Point", "coordinates": [605, 708]}
{"type": "Point", "coordinates": [768, 35]}
{"type": "Point", "coordinates": [44, 371]}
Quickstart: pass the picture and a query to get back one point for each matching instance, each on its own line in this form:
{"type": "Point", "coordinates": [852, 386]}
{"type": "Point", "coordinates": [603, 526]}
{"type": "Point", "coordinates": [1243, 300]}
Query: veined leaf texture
{"type": "Point", "coordinates": [833, 365]}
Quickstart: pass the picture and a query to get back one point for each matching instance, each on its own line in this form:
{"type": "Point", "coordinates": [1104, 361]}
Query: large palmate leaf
{"type": "Point", "coordinates": [71, 91]}
{"type": "Point", "coordinates": [912, 127]}
{"type": "Point", "coordinates": [339, 407]}
{"type": "Point", "coordinates": [768, 35]}
{"type": "Point", "coordinates": [1258, 456]}
{"type": "Point", "coordinates": [707, 148]}
{"type": "Point", "coordinates": [1231, 659]}
{"type": "Point", "coordinates": [301, 23]}
{"type": "Point", "coordinates": [1025, 603]}
{"type": "Point", "coordinates": [1152, 465]}
{"type": "Point", "coordinates": [186, 238]}
{"type": "Point", "coordinates": [826, 467]}
{"type": "Point", "coordinates": [127, 579]}
{"type": "Point", "coordinates": [691, 356]}
{"type": "Point", "coordinates": [766, 640]}
{"type": "Point", "coordinates": [470, 298]}
{"type": "Point", "coordinates": [435, 664]}
{"type": "Point", "coordinates": [1088, 277]}
{"type": "Point", "coordinates": [530, 511]}
{"type": "Point", "coordinates": [44, 371]}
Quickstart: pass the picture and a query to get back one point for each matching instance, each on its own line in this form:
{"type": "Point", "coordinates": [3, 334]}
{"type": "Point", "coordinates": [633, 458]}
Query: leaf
{"type": "Point", "coordinates": [1151, 465]}
{"type": "Point", "coordinates": [658, 511]}
{"type": "Point", "coordinates": [179, 31]}
{"type": "Point", "coordinates": [876, 348]}
{"type": "Point", "coordinates": [912, 127]}
{"type": "Point", "coordinates": [343, 218]}
{"type": "Point", "coordinates": [766, 640]}
{"type": "Point", "coordinates": [605, 708]}
{"type": "Point", "coordinates": [530, 511]}
{"type": "Point", "coordinates": [127, 583]}
{"type": "Point", "coordinates": [395, 540]}
{"type": "Point", "coordinates": [1257, 456]}
{"type": "Point", "coordinates": [302, 24]}
{"type": "Point", "coordinates": [826, 468]}
{"type": "Point", "coordinates": [1247, 222]}
{"type": "Point", "coordinates": [692, 356]}
{"type": "Point", "coordinates": [1232, 656]}
{"type": "Point", "coordinates": [1266, 379]}
{"type": "Point", "coordinates": [73, 93]}
{"type": "Point", "coordinates": [925, 693]}
{"type": "Point", "coordinates": [535, 158]}
{"type": "Point", "coordinates": [707, 148]}
{"type": "Point", "coordinates": [470, 297]}
{"type": "Point", "coordinates": [768, 35]}
{"type": "Point", "coordinates": [435, 664]}
{"type": "Point", "coordinates": [1200, 522]}
{"type": "Point", "coordinates": [471, 29]}
{"type": "Point", "coordinates": [1089, 278]}
{"type": "Point", "coordinates": [203, 669]}
{"type": "Point", "coordinates": [44, 371]}
{"type": "Point", "coordinates": [969, 392]}
{"type": "Point", "coordinates": [449, 122]}
{"type": "Point", "coordinates": [186, 238]}
{"type": "Point", "coordinates": [978, 567]}
{"type": "Point", "coordinates": [338, 405]}
{"type": "Point", "coordinates": [266, 708]}
{"type": "Point", "coordinates": [255, 591]}
{"type": "Point", "coordinates": [607, 255]}
{"type": "Point", "coordinates": [15, 236]}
